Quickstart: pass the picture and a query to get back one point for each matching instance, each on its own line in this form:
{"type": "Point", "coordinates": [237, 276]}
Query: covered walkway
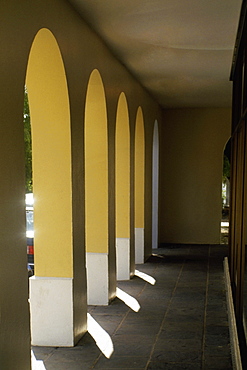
{"type": "Point", "coordinates": [173, 316]}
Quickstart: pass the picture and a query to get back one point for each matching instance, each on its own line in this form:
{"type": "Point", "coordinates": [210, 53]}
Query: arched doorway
{"type": "Point", "coordinates": [226, 193]}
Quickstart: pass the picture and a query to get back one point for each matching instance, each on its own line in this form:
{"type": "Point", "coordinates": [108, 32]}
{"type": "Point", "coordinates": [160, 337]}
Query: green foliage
{"type": "Point", "coordinates": [28, 144]}
{"type": "Point", "coordinates": [226, 169]}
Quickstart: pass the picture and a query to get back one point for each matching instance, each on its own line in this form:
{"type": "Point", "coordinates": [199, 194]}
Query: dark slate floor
{"type": "Point", "coordinates": [182, 322]}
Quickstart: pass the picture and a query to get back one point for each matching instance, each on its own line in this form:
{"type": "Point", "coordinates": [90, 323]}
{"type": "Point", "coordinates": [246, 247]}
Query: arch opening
{"type": "Point", "coordinates": [226, 192]}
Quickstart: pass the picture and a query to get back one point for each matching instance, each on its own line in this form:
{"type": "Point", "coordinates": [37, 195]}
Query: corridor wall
{"type": "Point", "coordinates": [82, 51]}
{"type": "Point", "coordinates": [190, 201]}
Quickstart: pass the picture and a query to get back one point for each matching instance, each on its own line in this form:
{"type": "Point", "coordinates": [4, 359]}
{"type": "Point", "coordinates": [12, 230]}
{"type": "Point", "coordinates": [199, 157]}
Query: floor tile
{"type": "Point", "coordinates": [182, 322]}
{"type": "Point", "coordinates": [122, 362]}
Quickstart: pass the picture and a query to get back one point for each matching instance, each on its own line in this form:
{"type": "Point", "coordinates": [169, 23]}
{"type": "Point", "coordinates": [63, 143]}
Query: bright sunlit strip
{"type": "Point", "coordinates": [128, 300]}
{"type": "Point", "coordinates": [101, 337]}
{"type": "Point", "coordinates": [224, 224]}
{"type": "Point", "coordinates": [37, 364]}
{"type": "Point", "coordinates": [145, 277]}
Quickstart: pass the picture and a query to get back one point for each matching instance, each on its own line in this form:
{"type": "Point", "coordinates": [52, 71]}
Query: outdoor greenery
{"type": "Point", "coordinates": [226, 169]}
{"type": "Point", "coordinates": [28, 144]}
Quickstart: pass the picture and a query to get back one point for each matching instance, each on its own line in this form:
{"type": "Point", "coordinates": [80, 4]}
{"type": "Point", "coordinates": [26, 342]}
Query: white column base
{"type": "Point", "coordinates": [51, 305]}
{"type": "Point", "coordinates": [97, 279]}
{"type": "Point", "coordinates": [123, 258]}
{"type": "Point", "coordinates": [139, 245]}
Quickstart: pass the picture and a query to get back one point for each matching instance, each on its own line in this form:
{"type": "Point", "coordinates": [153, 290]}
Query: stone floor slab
{"type": "Point", "coordinates": [182, 322]}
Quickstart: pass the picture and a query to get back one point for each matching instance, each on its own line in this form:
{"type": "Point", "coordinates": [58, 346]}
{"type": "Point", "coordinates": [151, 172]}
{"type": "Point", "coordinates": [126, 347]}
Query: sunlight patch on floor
{"type": "Point", "coordinates": [130, 301]}
{"type": "Point", "coordinates": [224, 224]}
{"type": "Point", "coordinates": [37, 364]}
{"type": "Point", "coordinates": [101, 337]}
{"type": "Point", "coordinates": [145, 277]}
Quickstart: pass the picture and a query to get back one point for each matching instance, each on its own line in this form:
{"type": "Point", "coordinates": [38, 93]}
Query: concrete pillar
{"type": "Point", "coordinates": [14, 308]}
{"type": "Point", "coordinates": [57, 291]}
{"type": "Point", "coordinates": [123, 190]}
{"type": "Point", "coordinates": [96, 194]}
{"type": "Point", "coordinates": [139, 187]}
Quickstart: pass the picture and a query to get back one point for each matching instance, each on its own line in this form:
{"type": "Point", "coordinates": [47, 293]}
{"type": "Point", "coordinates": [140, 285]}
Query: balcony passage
{"type": "Point", "coordinates": [171, 315]}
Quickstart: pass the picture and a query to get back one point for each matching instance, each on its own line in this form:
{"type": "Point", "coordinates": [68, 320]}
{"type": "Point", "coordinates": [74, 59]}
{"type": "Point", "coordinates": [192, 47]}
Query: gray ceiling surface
{"type": "Point", "coordinates": [180, 50]}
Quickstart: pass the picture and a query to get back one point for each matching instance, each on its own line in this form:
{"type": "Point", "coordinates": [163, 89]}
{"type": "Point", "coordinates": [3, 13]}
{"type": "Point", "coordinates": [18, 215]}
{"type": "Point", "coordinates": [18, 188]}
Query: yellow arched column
{"type": "Point", "coordinates": [139, 187]}
{"type": "Point", "coordinates": [96, 191]}
{"type": "Point", "coordinates": [122, 190]}
{"type": "Point", "coordinates": [155, 185]}
{"type": "Point", "coordinates": [52, 286]}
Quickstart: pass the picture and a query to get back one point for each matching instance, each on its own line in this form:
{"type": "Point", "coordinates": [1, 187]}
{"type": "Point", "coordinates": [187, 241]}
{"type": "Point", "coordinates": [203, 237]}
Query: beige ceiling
{"type": "Point", "coordinates": [180, 50]}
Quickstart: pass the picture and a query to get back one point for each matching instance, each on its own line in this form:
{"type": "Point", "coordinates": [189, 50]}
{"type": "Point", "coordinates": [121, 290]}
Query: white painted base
{"type": "Point", "coordinates": [97, 279]}
{"type": "Point", "coordinates": [123, 258]}
{"type": "Point", "coordinates": [139, 245]}
{"type": "Point", "coordinates": [51, 305]}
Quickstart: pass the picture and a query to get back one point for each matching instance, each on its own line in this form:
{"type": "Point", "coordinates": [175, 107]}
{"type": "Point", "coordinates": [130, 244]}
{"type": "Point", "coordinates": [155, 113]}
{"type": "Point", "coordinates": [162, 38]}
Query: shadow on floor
{"type": "Point", "coordinates": [182, 322]}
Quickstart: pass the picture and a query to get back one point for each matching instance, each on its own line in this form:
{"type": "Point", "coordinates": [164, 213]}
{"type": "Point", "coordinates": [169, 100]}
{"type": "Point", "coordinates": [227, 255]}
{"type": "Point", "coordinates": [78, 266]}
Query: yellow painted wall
{"type": "Point", "coordinates": [96, 167]}
{"type": "Point", "coordinates": [51, 143]}
{"type": "Point", "coordinates": [191, 160]}
{"type": "Point", "coordinates": [122, 170]}
{"type": "Point", "coordinates": [139, 169]}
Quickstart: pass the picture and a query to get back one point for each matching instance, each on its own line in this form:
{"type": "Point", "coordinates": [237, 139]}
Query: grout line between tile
{"type": "Point", "coordinates": [162, 323]}
{"type": "Point", "coordinates": [119, 325]}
